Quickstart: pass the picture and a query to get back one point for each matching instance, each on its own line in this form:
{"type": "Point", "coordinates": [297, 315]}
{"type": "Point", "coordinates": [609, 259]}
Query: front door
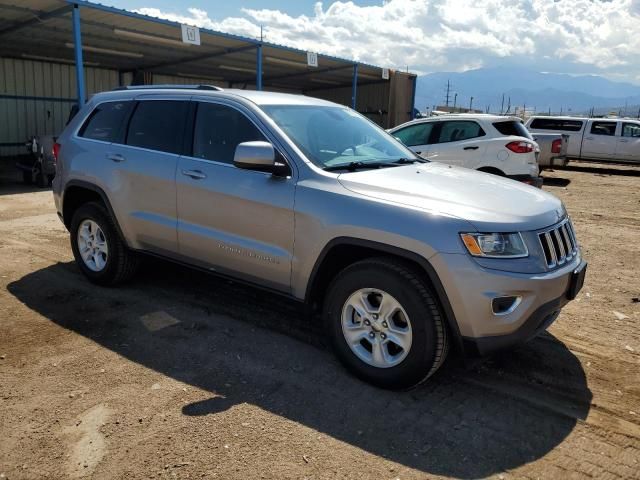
{"type": "Point", "coordinates": [233, 220]}
{"type": "Point", "coordinates": [416, 137]}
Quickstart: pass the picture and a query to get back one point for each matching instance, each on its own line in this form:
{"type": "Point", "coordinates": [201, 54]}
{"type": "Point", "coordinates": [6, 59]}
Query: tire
{"type": "Point", "coordinates": [27, 177]}
{"type": "Point", "coordinates": [418, 316]}
{"type": "Point", "coordinates": [42, 180]}
{"type": "Point", "coordinates": [493, 171]}
{"type": "Point", "coordinates": [115, 266]}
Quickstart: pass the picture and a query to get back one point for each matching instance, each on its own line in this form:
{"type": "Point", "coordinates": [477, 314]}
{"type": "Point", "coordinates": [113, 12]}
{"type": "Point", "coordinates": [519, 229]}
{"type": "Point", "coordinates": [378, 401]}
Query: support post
{"type": "Point", "coordinates": [413, 98]}
{"type": "Point", "coordinates": [259, 67]}
{"type": "Point", "coordinates": [354, 87]}
{"type": "Point", "coordinates": [77, 43]}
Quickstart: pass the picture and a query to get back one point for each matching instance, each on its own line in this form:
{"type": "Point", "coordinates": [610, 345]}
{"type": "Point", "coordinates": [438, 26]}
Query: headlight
{"type": "Point", "coordinates": [495, 245]}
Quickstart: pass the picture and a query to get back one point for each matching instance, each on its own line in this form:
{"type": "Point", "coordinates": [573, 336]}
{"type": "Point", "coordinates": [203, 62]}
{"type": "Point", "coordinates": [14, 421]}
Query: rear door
{"type": "Point", "coordinates": [233, 220]}
{"type": "Point", "coordinates": [600, 140]}
{"type": "Point", "coordinates": [416, 137]}
{"type": "Point", "coordinates": [628, 148]}
{"type": "Point", "coordinates": [144, 167]}
{"type": "Point", "coordinates": [459, 142]}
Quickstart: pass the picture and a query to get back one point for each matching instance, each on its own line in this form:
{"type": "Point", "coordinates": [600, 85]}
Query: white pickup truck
{"type": "Point", "coordinates": [601, 139]}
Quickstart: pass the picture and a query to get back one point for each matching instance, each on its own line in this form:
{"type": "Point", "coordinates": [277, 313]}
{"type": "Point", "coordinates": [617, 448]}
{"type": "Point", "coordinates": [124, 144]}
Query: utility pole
{"type": "Point", "coordinates": [455, 99]}
{"type": "Point", "coordinates": [502, 105]}
{"type": "Point", "coordinates": [508, 105]}
{"type": "Point", "coordinates": [470, 104]}
{"type": "Point", "coordinates": [488, 108]}
{"type": "Point", "coordinates": [446, 101]}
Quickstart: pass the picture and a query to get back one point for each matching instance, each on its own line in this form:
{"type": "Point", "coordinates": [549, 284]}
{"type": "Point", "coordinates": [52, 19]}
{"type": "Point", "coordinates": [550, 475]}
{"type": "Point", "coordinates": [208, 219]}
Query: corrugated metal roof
{"type": "Point", "coordinates": [128, 41]}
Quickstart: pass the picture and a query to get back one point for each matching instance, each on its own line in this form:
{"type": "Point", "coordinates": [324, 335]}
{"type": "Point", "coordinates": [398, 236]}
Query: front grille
{"type": "Point", "coordinates": [559, 244]}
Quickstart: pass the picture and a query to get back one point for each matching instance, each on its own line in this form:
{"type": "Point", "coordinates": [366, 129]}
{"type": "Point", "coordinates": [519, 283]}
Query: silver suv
{"type": "Point", "coordinates": [405, 258]}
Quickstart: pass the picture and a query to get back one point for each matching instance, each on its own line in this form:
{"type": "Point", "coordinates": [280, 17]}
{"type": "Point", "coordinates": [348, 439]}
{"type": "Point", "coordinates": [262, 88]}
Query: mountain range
{"type": "Point", "coordinates": [541, 91]}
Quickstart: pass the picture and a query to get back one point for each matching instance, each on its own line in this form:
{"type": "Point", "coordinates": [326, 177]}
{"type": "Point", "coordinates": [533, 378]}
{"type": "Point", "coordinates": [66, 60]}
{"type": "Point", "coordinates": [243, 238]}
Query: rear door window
{"type": "Point", "coordinates": [415, 135]}
{"type": "Point", "coordinates": [158, 125]}
{"type": "Point", "coordinates": [603, 128]}
{"type": "Point", "coordinates": [556, 124]}
{"type": "Point", "coordinates": [458, 130]}
{"type": "Point", "coordinates": [106, 121]}
{"type": "Point", "coordinates": [512, 128]}
{"type": "Point", "coordinates": [218, 131]}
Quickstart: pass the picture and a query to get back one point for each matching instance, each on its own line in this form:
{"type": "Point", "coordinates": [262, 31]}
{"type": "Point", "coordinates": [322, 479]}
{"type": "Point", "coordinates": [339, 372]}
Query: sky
{"type": "Point", "coordinates": [600, 37]}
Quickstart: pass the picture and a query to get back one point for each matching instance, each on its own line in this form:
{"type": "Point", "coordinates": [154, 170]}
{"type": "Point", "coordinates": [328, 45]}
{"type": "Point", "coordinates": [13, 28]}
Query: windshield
{"type": "Point", "coordinates": [334, 137]}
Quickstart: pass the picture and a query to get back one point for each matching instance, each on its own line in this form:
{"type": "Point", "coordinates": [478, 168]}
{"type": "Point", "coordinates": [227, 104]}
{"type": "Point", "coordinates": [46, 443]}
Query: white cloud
{"type": "Point", "coordinates": [596, 36]}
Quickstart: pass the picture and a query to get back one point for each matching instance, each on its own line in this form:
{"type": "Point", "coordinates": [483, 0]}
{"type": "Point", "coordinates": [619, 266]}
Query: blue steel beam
{"type": "Point", "coordinates": [259, 67]}
{"type": "Point", "coordinates": [77, 44]}
{"type": "Point", "coordinates": [139, 16]}
{"type": "Point", "coordinates": [413, 98]}
{"type": "Point", "coordinates": [354, 86]}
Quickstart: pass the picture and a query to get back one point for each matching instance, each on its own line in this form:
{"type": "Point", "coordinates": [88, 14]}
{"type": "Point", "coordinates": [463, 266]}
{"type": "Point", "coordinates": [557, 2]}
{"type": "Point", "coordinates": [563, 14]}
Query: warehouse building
{"type": "Point", "coordinates": [56, 53]}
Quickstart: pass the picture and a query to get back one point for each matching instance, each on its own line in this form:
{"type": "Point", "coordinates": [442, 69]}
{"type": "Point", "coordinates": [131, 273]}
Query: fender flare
{"type": "Point", "coordinates": [432, 275]}
{"type": "Point", "coordinates": [105, 199]}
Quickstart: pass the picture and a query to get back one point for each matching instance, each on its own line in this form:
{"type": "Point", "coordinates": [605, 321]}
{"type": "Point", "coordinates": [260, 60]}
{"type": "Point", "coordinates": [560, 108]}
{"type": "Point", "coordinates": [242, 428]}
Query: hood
{"type": "Point", "coordinates": [489, 202]}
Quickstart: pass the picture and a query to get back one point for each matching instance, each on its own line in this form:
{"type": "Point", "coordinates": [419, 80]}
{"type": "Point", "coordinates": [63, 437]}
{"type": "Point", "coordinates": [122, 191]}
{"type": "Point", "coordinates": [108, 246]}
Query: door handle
{"type": "Point", "coordinates": [195, 174]}
{"type": "Point", "coordinates": [115, 157]}
{"type": "Point", "coordinates": [588, 138]}
{"type": "Point", "coordinates": [624, 141]}
{"type": "Point", "coordinates": [471, 148]}
{"type": "Point", "coordinates": [418, 153]}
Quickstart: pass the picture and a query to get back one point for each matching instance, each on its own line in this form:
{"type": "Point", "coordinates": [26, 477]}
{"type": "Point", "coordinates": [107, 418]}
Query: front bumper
{"type": "Point", "coordinates": [471, 288]}
{"type": "Point", "coordinates": [535, 181]}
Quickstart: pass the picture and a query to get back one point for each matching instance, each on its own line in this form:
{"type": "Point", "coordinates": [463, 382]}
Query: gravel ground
{"type": "Point", "coordinates": [183, 375]}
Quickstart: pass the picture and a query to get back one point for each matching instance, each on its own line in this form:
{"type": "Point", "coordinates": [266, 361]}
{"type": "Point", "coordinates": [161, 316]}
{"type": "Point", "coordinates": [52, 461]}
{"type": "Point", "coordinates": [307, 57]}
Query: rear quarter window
{"type": "Point", "coordinates": [556, 124]}
{"type": "Point", "coordinates": [512, 128]}
{"type": "Point", "coordinates": [106, 121]}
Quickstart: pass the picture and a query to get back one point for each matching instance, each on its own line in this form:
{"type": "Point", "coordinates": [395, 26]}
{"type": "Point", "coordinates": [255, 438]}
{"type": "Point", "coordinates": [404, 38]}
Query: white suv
{"type": "Point", "coordinates": [489, 143]}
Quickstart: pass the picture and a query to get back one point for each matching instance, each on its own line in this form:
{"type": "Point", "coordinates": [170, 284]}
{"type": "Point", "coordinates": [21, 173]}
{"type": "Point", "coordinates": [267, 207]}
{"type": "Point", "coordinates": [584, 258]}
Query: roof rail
{"type": "Point", "coordinates": [169, 86]}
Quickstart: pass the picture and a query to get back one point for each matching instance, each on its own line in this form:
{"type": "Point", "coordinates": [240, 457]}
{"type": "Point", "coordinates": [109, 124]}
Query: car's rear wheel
{"type": "Point", "coordinates": [98, 249]}
{"type": "Point", "coordinates": [27, 177]}
{"type": "Point", "coordinates": [385, 323]}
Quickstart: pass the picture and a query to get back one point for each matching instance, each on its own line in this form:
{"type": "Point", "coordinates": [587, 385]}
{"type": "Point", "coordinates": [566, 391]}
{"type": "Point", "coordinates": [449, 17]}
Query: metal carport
{"type": "Point", "coordinates": [54, 53]}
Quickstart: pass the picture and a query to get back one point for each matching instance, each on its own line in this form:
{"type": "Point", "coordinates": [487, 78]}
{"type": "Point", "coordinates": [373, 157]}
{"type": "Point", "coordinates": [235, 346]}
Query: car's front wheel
{"type": "Point", "coordinates": [385, 323]}
{"type": "Point", "coordinates": [98, 249]}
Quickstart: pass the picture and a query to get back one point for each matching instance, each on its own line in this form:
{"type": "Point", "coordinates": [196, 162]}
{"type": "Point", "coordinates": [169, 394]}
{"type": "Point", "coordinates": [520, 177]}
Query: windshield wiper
{"type": "Point", "coordinates": [406, 161]}
{"type": "Point", "coordinates": [353, 166]}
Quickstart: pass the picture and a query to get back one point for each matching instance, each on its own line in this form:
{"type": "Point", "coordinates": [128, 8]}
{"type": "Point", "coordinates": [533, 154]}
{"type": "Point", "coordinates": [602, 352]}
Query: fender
{"type": "Point", "coordinates": [105, 199]}
{"type": "Point", "coordinates": [441, 295]}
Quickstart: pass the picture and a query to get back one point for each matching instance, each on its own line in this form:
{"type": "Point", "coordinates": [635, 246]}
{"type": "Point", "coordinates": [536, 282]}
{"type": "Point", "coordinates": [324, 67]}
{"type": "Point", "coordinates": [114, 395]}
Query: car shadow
{"type": "Point", "coordinates": [556, 182]}
{"type": "Point", "coordinates": [247, 346]}
{"type": "Point", "coordinates": [11, 182]}
{"type": "Point", "coordinates": [625, 170]}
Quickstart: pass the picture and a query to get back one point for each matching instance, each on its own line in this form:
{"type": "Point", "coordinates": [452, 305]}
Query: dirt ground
{"type": "Point", "coordinates": [183, 375]}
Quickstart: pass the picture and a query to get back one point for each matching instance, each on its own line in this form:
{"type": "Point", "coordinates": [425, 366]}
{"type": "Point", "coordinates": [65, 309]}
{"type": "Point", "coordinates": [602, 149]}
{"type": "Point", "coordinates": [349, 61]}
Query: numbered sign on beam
{"type": "Point", "coordinates": [190, 34]}
{"type": "Point", "coordinates": [385, 74]}
{"type": "Point", "coordinates": [312, 59]}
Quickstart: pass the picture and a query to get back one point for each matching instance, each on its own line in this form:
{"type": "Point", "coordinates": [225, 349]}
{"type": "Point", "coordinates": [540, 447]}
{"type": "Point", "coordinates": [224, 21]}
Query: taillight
{"type": "Point", "coordinates": [520, 147]}
{"type": "Point", "coordinates": [56, 151]}
{"type": "Point", "coordinates": [556, 146]}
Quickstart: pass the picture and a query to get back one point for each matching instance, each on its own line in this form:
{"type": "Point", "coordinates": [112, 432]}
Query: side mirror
{"type": "Point", "coordinates": [260, 156]}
